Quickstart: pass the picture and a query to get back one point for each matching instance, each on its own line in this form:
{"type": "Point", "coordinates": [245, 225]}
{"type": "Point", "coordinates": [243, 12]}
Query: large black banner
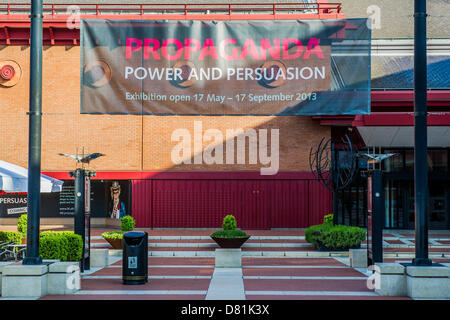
{"type": "Point", "coordinates": [310, 67]}
{"type": "Point", "coordinates": [14, 204]}
{"type": "Point", "coordinates": [109, 199]}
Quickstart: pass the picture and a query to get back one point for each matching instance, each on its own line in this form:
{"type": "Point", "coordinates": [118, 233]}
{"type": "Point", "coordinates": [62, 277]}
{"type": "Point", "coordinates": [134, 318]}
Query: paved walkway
{"type": "Point", "coordinates": [276, 264]}
{"type": "Point", "coordinates": [259, 278]}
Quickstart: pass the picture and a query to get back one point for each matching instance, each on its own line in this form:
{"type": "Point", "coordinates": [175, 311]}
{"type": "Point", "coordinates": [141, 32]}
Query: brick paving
{"type": "Point", "coordinates": [160, 272]}
{"type": "Point", "coordinates": [291, 262]}
{"type": "Point", "coordinates": [132, 297]}
{"type": "Point", "coordinates": [302, 272]}
{"type": "Point", "coordinates": [152, 284]}
{"type": "Point", "coordinates": [321, 297]}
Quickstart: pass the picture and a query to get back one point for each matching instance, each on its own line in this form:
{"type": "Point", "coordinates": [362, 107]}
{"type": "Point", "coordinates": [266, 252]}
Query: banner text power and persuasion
{"type": "Point", "coordinates": [244, 74]}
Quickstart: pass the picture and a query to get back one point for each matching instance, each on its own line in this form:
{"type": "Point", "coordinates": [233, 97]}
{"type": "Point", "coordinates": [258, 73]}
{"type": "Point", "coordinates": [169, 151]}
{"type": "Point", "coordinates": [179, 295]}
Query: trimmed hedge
{"type": "Point", "coordinates": [11, 236]}
{"type": "Point", "coordinates": [62, 245]}
{"type": "Point", "coordinates": [53, 247]}
{"type": "Point", "coordinates": [229, 234]}
{"type": "Point", "coordinates": [22, 224]}
{"type": "Point", "coordinates": [341, 237]}
{"type": "Point", "coordinates": [127, 223]}
{"type": "Point", "coordinates": [327, 236]}
{"type": "Point", "coordinates": [312, 233]}
{"type": "Point", "coordinates": [75, 247]}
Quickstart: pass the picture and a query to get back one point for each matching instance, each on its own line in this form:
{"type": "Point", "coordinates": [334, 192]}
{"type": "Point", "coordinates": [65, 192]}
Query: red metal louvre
{"type": "Point", "coordinates": [255, 196]}
{"type": "Point", "coordinates": [320, 202]}
{"type": "Point", "coordinates": [256, 203]}
{"type": "Point", "coordinates": [141, 202]}
{"type": "Point", "coordinates": [194, 203]}
{"type": "Point", "coordinates": [289, 204]}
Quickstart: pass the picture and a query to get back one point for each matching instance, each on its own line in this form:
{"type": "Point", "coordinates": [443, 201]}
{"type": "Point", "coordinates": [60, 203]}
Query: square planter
{"type": "Point", "coordinates": [230, 243]}
{"type": "Point", "coordinates": [115, 243]}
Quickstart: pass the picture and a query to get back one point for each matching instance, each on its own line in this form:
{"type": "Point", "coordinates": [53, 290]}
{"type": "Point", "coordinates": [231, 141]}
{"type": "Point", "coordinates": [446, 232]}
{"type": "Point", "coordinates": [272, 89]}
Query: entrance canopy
{"type": "Point", "coordinates": [397, 129]}
{"type": "Point", "coordinates": [438, 137]}
{"type": "Point", "coordinates": [14, 178]}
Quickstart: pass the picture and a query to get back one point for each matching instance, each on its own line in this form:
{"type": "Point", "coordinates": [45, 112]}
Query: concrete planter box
{"type": "Point", "coordinates": [390, 279]}
{"type": "Point", "coordinates": [63, 278]}
{"type": "Point", "coordinates": [24, 281]}
{"type": "Point", "coordinates": [428, 282]}
{"type": "Point", "coordinates": [51, 277]}
{"type": "Point", "coordinates": [358, 258]}
{"type": "Point", "coordinates": [99, 258]}
{"type": "Point", "coordinates": [2, 265]}
{"type": "Point", "coordinates": [228, 258]}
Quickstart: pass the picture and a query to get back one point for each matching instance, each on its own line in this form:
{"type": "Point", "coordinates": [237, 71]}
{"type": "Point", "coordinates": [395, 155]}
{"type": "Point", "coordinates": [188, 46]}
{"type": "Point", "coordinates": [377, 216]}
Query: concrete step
{"type": "Point", "coordinates": [209, 238]}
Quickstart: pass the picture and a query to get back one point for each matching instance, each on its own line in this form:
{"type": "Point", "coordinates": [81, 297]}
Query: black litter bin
{"type": "Point", "coordinates": [135, 258]}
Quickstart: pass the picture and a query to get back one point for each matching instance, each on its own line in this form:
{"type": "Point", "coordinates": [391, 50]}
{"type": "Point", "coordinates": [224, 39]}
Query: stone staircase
{"type": "Point", "coordinates": [263, 243]}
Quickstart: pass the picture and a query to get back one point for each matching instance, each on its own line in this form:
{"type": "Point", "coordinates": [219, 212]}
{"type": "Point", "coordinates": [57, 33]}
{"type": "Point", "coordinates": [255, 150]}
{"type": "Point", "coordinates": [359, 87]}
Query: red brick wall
{"type": "Point", "coordinates": [129, 142]}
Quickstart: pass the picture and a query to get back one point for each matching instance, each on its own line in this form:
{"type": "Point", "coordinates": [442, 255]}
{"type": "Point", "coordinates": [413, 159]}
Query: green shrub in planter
{"type": "Point", "coordinates": [11, 236]}
{"type": "Point", "coordinates": [229, 234]}
{"type": "Point", "coordinates": [115, 238]}
{"type": "Point", "coordinates": [22, 224]}
{"type": "Point", "coordinates": [229, 222]}
{"type": "Point", "coordinates": [328, 219]}
{"type": "Point", "coordinates": [113, 235]}
{"type": "Point", "coordinates": [127, 223]}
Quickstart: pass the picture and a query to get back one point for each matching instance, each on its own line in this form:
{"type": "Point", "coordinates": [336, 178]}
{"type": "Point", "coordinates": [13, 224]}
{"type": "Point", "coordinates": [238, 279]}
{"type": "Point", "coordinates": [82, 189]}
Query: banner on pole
{"type": "Point", "coordinates": [312, 67]}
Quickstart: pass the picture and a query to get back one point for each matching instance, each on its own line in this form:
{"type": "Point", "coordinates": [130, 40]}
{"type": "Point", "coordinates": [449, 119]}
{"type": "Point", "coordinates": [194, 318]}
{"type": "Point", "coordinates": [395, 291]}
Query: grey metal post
{"type": "Point", "coordinates": [34, 144]}
{"type": "Point", "coordinates": [420, 134]}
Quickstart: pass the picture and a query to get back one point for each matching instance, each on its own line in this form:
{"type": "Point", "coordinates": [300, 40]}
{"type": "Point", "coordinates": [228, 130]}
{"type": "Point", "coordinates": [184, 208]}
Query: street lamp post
{"type": "Point", "coordinates": [420, 134]}
{"type": "Point", "coordinates": [34, 143]}
{"type": "Point", "coordinates": [82, 211]}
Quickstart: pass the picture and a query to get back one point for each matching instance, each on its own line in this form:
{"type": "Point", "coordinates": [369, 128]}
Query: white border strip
{"type": "Point", "coordinates": [168, 266]}
{"type": "Point", "coordinates": [302, 278]}
{"type": "Point", "coordinates": [313, 293]}
{"type": "Point", "coordinates": [296, 267]}
{"type": "Point", "coordinates": [149, 277]}
{"type": "Point", "coordinates": [139, 292]}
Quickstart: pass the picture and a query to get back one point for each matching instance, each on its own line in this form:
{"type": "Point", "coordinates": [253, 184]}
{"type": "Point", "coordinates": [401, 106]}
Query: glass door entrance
{"type": "Point", "coordinates": [438, 204]}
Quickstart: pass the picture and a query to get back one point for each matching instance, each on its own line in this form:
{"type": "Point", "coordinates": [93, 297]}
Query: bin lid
{"type": "Point", "coordinates": [134, 234]}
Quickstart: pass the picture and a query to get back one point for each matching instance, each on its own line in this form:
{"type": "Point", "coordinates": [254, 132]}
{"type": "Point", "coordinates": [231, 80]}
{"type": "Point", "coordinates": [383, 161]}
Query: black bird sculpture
{"type": "Point", "coordinates": [83, 158]}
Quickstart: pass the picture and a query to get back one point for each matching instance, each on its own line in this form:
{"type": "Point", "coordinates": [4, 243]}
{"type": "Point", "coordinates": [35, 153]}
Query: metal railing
{"type": "Point", "coordinates": [60, 9]}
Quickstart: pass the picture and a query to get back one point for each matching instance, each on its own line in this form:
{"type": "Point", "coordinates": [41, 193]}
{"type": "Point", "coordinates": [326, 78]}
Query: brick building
{"type": "Point", "coordinates": [160, 193]}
